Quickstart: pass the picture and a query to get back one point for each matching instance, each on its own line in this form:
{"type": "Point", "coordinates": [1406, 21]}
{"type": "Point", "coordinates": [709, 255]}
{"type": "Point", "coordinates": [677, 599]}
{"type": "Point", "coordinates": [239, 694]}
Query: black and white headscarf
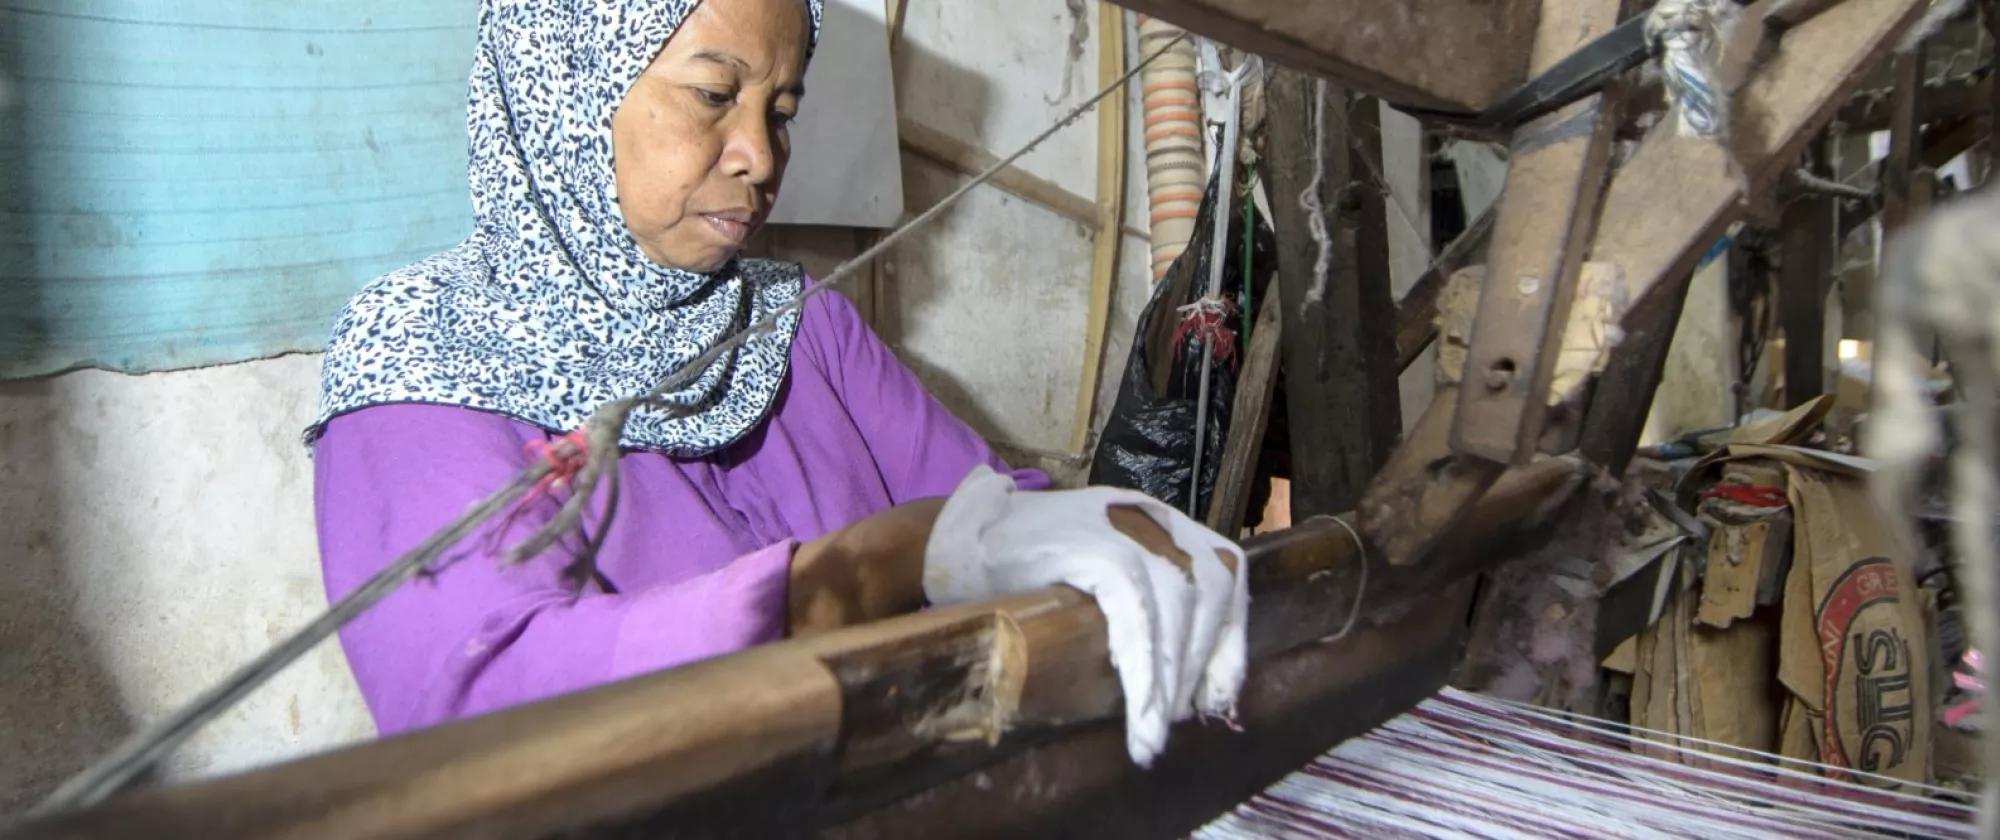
{"type": "Point", "coordinates": [550, 309]}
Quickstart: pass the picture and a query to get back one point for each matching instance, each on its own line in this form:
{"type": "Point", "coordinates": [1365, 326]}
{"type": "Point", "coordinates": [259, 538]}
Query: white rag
{"type": "Point", "coordinates": [1177, 643]}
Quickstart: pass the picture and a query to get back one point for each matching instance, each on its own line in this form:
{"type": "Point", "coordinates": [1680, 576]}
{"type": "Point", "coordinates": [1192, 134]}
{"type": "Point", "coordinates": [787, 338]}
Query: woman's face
{"type": "Point", "coordinates": [700, 142]}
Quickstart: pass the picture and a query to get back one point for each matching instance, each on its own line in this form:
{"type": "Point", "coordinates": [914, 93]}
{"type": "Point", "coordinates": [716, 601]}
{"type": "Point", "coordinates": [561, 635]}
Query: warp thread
{"type": "Point", "coordinates": [1688, 35]}
{"type": "Point", "coordinates": [1463, 765]}
{"type": "Point", "coordinates": [1309, 201]}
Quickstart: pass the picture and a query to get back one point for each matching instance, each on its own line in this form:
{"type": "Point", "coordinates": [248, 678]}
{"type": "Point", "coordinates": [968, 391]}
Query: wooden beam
{"type": "Point", "coordinates": [1555, 180]}
{"type": "Point", "coordinates": [1452, 55]}
{"type": "Point", "coordinates": [1417, 312]}
{"type": "Point", "coordinates": [1249, 419]}
{"type": "Point", "coordinates": [1674, 197]}
{"type": "Point", "coordinates": [1555, 177]}
{"type": "Point", "coordinates": [788, 738]}
{"type": "Point", "coordinates": [1963, 97]}
{"type": "Point", "coordinates": [1339, 353]}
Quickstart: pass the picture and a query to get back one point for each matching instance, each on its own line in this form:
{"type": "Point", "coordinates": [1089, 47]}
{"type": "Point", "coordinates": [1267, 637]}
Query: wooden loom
{"type": "Point", "coordinates": [1000, 719]}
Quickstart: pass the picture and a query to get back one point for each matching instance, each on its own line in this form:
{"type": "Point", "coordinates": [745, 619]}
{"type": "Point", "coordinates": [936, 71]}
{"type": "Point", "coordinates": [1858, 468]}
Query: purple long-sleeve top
{"type": "Point", "coordinates": [697, 556]}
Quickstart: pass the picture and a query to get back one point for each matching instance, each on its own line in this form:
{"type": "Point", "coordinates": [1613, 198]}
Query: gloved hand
{"type": "Point", "coordinates": [1176, 637]}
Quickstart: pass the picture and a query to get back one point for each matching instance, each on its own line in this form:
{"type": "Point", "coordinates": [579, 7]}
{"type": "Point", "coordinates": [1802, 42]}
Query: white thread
{"type": "Point", "coordinates": [1361, 587]}
{"type": "Point", "coordinates": [1309, 201]}
{"type": "Point", "coordinates": [1688, 34]}
{"type": "Point", "coordinates": [1463, 765]}
{"type": "Point", "coordinates": [1940, 13]}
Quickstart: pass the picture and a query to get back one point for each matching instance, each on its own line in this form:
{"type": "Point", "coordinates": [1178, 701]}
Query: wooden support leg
{"type": "Point", "coordinates": [1339, 352]}
{"type": "Point", "coordinates": [1990, 10]}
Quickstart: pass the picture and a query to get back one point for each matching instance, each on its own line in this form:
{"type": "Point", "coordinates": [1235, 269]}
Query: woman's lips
{"type": "Point", "coordinates": [732, 227]}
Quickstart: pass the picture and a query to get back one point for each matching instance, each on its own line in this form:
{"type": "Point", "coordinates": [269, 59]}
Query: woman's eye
{"type": "Point", "coordinates": [715, 98]}
{"type": "Point", "coordinates": [780, 119]}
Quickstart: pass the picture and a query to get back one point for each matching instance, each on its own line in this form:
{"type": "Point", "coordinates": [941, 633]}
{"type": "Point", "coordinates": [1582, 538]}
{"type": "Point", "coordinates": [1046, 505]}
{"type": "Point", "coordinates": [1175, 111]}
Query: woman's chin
{"type": "Point", "coordinates": [707, 261]}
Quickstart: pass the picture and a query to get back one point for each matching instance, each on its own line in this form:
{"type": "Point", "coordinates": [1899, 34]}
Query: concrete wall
{"type": "Point", "coordinates": [155, 532]}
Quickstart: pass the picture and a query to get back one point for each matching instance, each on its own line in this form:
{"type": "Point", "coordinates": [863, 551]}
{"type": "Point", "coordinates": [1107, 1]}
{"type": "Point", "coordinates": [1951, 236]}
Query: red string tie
{"type": "Point", "coordinates": [566, 456]}
{"type": "Point", "coordinates": [1748, 494]}
{"type": "Point", "coordinates": [1208, 321]}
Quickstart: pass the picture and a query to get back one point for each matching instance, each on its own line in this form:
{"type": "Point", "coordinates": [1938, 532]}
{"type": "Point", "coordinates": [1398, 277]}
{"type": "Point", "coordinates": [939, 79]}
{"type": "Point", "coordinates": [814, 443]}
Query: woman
{"type": "Point", "coordinates": [621, 154]}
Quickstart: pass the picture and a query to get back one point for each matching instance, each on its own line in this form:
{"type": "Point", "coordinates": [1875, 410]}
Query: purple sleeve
{"type": "Point", "coordinates": [476, 637]}
{"type": "Point", "coordinates": [922, 450]}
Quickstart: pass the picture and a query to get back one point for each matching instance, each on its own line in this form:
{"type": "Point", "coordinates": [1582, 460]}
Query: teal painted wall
{"type": "Point", "coordinates": [193, 182]}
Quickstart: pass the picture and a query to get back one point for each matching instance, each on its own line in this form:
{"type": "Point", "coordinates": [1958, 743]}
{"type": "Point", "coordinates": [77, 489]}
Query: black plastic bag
{"type": "Point", "coordinates": [1148, 441]}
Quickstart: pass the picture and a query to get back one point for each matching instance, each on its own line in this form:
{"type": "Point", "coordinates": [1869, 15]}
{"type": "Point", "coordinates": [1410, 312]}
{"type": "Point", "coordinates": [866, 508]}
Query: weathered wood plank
{"type": "Point", "coordinates": [1548, 206]}
{"type": "Point", "coordinates": [1670, 202]}
{"type": "Point", "coordinates": [1454, 55]}
{"type": "Point", "coordinates": [1339, 352]}
{"type": "Point", "coordinates": [1417, 312]}
{"type": "Point", "coordinates": [1547, 213]}
{"type": "Point", "coordinates": [1256, 387]}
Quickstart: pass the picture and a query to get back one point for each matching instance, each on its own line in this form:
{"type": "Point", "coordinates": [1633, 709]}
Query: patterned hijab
{"type": "Point", "coordinates": [550, 309]}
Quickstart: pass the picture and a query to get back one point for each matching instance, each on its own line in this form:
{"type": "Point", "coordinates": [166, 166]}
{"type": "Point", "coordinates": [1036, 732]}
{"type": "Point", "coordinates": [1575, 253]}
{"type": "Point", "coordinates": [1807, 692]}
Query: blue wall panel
{"type": "Point", "coordinates": [191, 182]}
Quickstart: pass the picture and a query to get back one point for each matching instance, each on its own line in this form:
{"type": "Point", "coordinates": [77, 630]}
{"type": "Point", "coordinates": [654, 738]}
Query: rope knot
{"type": "Point", "coordinates": [1207, 320]}
{"type": "Point", "coordinates": [1688, 35]}
{"type": "Point", "coordinates": [566, 456]}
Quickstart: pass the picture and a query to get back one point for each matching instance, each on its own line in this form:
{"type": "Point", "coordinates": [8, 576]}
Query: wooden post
{"type": "Point", "coordinates": [1340, 351]}
{"type": "Point", "coordinates": [1806, 243]}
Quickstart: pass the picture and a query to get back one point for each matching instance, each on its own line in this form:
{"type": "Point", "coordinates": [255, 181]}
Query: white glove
{"type": "Point", "coordinates": [1177, 644]}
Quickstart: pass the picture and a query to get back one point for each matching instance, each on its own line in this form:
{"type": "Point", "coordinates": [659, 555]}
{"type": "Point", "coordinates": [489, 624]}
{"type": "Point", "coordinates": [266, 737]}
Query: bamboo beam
{"type": "Point", "coordinates": [1110, 218]}
{"type": "Point", "coordinates": [1450, 55]}
{"type": "Point", "coordinates": [812, 732]}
